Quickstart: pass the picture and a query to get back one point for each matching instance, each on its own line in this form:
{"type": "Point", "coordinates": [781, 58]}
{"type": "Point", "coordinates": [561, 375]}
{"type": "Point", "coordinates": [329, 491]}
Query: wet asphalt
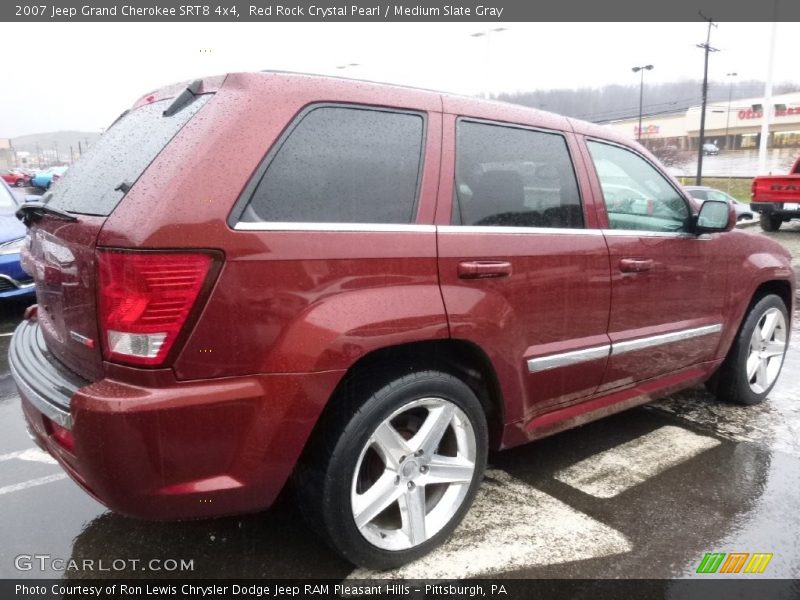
{"type": "Point", "coordinates": [739, 494]}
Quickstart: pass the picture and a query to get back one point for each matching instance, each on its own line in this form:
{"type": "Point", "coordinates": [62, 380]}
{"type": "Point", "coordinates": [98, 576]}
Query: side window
{"type": "Point", "coordinates": [343, 165]}
{"type": "Point", "coordinates": [506, 176]}
{"type": "Point", "coordinates": [699, 194]}
{"type": "Point", "coordinates": [636, 195]}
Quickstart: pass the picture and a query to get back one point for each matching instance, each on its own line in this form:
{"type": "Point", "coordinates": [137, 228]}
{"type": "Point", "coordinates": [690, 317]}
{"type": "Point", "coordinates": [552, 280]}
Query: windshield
{"type": "Point", "coordinates": [121, 154]}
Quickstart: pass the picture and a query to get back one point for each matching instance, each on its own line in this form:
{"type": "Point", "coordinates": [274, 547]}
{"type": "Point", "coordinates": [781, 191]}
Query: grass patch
{"type": "Point", "coordinates": [738, 187]}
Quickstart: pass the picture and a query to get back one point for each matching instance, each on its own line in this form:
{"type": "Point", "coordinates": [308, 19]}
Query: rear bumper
{"type": "Point", "coordinates": [774, 208]}
{"type": "Point", "coordinates": [181, 450]}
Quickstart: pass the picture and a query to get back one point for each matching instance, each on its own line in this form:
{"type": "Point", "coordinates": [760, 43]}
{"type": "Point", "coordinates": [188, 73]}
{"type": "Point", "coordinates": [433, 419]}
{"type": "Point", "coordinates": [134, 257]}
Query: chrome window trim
{"type": "Point", "coordinates": [568, 358]}
{"type": "Point", "coordinates": [517, 230]}
{"type": "Point", "coordinates": [645, 233]}
{"type": "Point", "coordinates": [300, 226]}
{"type": "Point", "coordinates": [664, 338]}
{"type": "Point", "coordinates": [573, 357]}
{"type": "Point", "coordinates": [401, 227]}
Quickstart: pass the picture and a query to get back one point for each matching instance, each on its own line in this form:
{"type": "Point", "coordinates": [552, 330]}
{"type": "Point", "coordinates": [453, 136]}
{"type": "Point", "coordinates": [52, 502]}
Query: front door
{"type": "Point", "coordinates": [667, 284]}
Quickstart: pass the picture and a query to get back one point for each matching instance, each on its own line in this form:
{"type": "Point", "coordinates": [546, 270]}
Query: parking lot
{"type": "Point", "coordinates": [644, 494]}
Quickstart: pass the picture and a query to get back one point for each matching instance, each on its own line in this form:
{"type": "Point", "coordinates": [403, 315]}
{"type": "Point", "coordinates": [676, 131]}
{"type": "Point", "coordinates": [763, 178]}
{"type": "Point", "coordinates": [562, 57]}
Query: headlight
{"type": "Point", "coordinates": [13, 247]}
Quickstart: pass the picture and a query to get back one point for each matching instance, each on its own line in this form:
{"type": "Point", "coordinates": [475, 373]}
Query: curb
{"type": "Point", "coordinates": [747, 224]}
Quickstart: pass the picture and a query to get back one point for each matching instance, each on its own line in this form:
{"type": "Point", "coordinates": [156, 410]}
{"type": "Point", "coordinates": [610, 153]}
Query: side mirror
{"type": "Point", "coordinates": [715, 216]}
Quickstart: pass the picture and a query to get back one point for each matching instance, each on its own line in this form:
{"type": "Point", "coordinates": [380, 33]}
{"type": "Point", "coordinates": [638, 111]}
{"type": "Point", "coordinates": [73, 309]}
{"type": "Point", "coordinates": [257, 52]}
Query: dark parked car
{"type": "Point", "coordinates": [702, 192]}
{"type": "Point", "coordinates": [710, 149]}
{"type": "Point", "coordinates": [364, 288]}
{"type": "Point", "coordinates": [14, 282]}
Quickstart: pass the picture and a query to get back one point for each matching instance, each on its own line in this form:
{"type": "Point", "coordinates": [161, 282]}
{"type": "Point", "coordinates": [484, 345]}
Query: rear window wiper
{"type": "Point", "coordinates": [184, 99]}
{"type": "Point", "coordinates": [33, 211]}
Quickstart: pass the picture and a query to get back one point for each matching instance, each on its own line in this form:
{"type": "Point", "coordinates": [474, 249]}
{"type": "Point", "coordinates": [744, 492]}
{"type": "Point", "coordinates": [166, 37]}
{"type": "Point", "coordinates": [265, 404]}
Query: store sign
{"type": "Point", "coordinates": [784, 111]}
{"type": "Point", "coordinates": [648, 130]}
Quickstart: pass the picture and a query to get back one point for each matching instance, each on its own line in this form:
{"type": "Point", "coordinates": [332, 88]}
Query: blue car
{"type": "Point", "coordinates": [47, 177]}
{"type": "Point", "coordinates": [14, 282]}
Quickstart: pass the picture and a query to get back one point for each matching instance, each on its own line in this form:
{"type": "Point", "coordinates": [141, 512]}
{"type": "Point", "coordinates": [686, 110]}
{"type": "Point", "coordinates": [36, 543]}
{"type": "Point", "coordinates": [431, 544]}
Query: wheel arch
{"type": "Point", "coordinates": [459, 358]}
{"type": "Point", "coordinates": [780, 287]}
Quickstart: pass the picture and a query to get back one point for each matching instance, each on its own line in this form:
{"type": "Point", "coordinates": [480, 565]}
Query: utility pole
{"type": "Point", "coordinates": [702, 140]}
{"type": "Point", "coordinates": [767, 109]}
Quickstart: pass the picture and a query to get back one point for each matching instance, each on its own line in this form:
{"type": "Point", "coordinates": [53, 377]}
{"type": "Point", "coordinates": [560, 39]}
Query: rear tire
{"type": "Point", "coordinates": [756, 357]}
{"type": "Point", "coordinates": [387, 479]}
{"type": "Point", "coordinates": [770, 222]}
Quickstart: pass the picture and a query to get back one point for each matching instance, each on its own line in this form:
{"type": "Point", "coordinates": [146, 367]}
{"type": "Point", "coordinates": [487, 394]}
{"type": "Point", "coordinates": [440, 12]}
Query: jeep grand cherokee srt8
{"type": "Point", "coordinates": [365, 288]}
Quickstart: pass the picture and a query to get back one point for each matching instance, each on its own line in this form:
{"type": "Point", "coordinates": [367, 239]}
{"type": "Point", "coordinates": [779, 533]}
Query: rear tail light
{"type": "Point", "coordinates": [59, 434]}
{"type": "Point", "coordinates": [144, 300]}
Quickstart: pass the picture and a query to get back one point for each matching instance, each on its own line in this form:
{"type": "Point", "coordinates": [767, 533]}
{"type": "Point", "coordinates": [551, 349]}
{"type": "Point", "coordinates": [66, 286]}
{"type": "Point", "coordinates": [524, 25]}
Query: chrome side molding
{"type": "Point", "coordinates": [664, 338]}
{"type": "Point", "coordinates": [573, 357]}
{"type": "Point", "coordinates": [568, 358]}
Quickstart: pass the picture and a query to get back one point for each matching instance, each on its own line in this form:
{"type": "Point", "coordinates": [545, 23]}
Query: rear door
{"type": "Point", "coordinates": [667, 285]}
{"type": "Point", "coordinates": [522, 276]}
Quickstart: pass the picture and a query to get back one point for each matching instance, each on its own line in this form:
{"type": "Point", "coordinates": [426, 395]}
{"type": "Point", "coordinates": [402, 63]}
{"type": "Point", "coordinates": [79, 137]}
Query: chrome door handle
{"type": "Point", "coordinates": [484, 269]}
{"type": "Point", "coordinates": [635, 265]}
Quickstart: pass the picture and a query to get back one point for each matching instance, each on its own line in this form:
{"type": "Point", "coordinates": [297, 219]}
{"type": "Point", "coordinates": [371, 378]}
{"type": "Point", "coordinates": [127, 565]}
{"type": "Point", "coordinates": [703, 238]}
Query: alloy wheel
{"type": "Point", "coordinates": [767, 347]}
{"type": "Point", "coordinates": [413, 474]}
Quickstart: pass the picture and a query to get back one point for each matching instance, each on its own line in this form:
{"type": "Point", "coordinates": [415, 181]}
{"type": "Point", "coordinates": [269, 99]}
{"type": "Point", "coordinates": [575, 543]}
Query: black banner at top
{"type": "Point", "coordinates": [383, 11]}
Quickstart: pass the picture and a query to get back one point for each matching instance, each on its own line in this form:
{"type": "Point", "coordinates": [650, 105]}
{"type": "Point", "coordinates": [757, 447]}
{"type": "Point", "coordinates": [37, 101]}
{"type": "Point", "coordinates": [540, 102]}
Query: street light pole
{"type": "Point", "coordinates": [727, 124]}
{"type": "Point", "coordinates": [730, 96]}
{"type": "Point", "coordinates": [701, 141]}
{"type": "Point", "coordinates": [641, 70]}
{"type": "Point", "coordinates": [487, 59]}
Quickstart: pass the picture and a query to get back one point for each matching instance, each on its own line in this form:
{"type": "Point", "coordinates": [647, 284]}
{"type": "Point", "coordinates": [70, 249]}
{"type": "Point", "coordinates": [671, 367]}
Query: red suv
{"type": "Point", "coordinates": [365, 288]}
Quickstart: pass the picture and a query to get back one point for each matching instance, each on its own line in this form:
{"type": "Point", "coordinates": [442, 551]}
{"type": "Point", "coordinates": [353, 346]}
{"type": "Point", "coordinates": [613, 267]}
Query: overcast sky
{"type": "Point", "coordinates": [82, 75]}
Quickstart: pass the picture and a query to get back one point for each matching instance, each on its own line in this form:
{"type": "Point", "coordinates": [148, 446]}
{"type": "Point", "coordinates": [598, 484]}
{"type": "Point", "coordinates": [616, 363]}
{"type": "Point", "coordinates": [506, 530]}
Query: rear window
{"type": "Point", "coordinates": [343, 165]}
{"type": "Point", "coordinates": [121, 154]}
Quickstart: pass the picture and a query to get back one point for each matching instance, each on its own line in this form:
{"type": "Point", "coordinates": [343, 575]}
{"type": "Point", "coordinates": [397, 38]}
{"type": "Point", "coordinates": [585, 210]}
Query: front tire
{"type": "Point", "coordinates": [398, 477]}
{"type": "Point", "coordinates": [756, 357]}
{"type": "Point", "coordinates": [770, 222]}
